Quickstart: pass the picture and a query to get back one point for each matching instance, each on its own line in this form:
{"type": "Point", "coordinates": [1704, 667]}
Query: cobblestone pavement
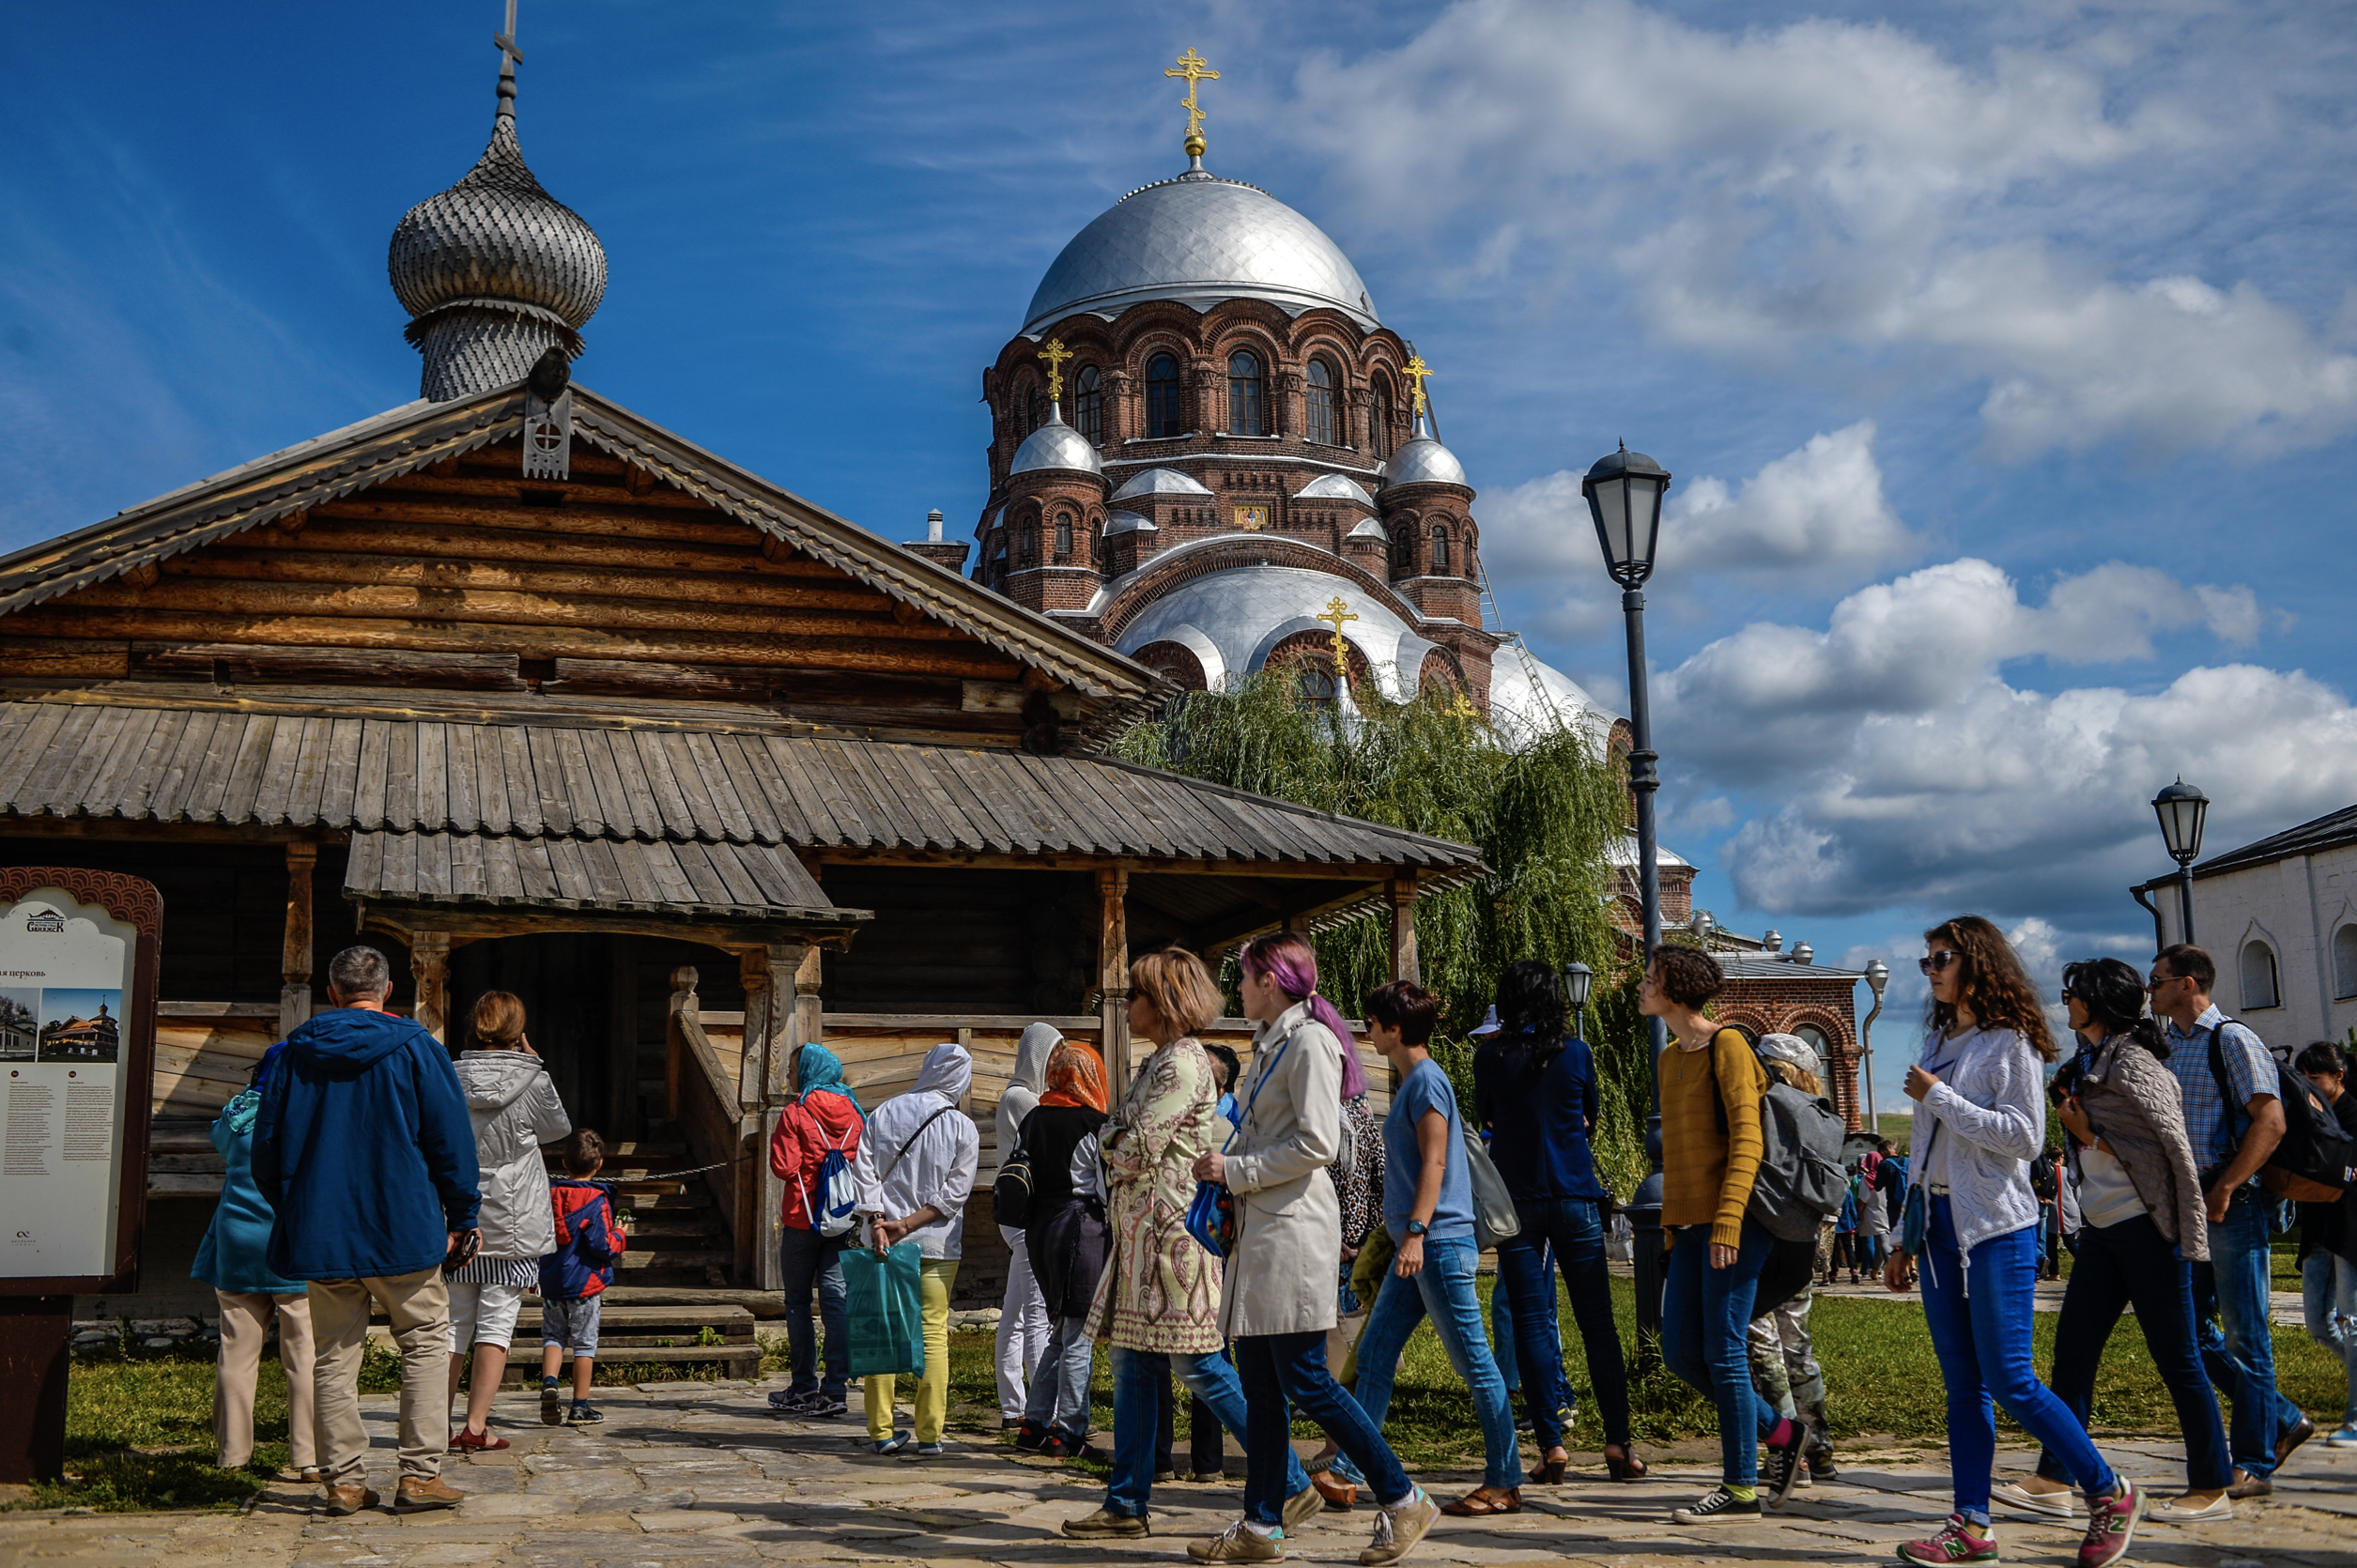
{"type": "Point", "coordinates": [700, 1473]}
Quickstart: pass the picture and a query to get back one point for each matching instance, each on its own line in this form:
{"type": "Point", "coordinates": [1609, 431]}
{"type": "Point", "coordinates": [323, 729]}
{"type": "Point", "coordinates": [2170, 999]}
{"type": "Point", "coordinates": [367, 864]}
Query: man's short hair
{"type": "Point", "coordinates": [360, 971]}
{"type": "Point", "coordinates": [2189, 962]}
{"type": "Point", "coordinates": [1689, 976]}
{"type": "Point", "coordinates": [1404, 1005]}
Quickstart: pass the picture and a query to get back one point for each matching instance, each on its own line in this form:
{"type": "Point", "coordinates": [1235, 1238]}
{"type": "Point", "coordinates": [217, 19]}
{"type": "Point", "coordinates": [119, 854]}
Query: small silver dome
{"type": "Point", "coordinates": [1368, 529]}
{"type": "Point", "coordinates": [1128, 522]}
{"type": "Point", "coordinates": [1056, 445]}
{"type": "Point", "coordinates": [1162, 481]}
{"type": "Point", "coordinates": [1424, 461]}
{"type": "Point", "coordinates": [1199, 238]}
{"type": "Point", "coordinates": [496, 236]}
{"type": "Point", "coordinates": [1333, 486]}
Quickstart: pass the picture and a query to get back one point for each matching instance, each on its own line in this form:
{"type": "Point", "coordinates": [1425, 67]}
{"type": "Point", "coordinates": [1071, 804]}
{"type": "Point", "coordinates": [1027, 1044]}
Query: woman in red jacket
{"type": "Point", "coordinates": [823, 1118]}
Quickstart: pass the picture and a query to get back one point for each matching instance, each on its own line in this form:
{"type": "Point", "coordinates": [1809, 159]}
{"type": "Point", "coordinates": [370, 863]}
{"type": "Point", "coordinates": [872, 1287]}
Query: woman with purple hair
{"type": "Point", "coordinates": [1278, 1297]}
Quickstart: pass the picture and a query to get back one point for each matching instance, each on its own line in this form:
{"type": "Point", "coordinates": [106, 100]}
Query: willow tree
{"type": "Point", "coordinates": [1543, 810]}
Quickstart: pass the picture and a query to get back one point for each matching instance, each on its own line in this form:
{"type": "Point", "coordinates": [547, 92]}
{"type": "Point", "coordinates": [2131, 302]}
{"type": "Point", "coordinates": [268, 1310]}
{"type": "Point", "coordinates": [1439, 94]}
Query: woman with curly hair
{"type": "Point", "coordinates": [1980, 1120]}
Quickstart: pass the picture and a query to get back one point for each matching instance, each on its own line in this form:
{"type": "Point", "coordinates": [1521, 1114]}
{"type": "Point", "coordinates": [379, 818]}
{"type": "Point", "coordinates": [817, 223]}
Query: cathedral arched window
{"type": "Point", "coordinates": [1378, 430]}
{"type": "Point", "coordinates": [998, 556]}
{"type": "Point", "coordinates": [1063, 538]}
{"type": "Point", "coordinates": [1439, 551]}
{"type": "Point", "coordinates": [1035, 411]}
{"type": "Point", "coordinates": [1323, 424]}
{"type": "Point", "coordinates": [1404, 546]}
{"type": "Point", "coordinates": [1163, 416]}
{"type": "Point", "coordinates": [1031, 544]}
{"type": "Point", "coordinates": [1088, 405]}
{"type": "Point", "coordinates": [1245, 403]}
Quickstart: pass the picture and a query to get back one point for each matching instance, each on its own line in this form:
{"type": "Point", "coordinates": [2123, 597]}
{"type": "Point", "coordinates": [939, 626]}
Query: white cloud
{"type": "Point", "coordinates": [1851, 188]}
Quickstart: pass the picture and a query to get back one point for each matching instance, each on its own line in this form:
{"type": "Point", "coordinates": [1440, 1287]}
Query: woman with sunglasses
{"type": "Point", "coordinates": [1980, 1120]}
{"type": "Point", "coordinates": [2145, 1226]}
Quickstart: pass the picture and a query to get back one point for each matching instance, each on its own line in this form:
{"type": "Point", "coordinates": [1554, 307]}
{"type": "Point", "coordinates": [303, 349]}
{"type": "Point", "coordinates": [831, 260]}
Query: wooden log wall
{"type": "Point", "coordinates": [468, 580]}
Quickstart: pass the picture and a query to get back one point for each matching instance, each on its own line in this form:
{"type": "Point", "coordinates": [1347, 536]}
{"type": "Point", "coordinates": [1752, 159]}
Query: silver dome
{"type": "Point", "coordinates": [496, 236]}
{"type": "Point", "coordinates": [1200, 239]}
{"type": "Point", "coordinates": [1333, 486]}
{"type": "Point", "coordinates": [1424, 461]}
{"type": "Point", "coordinates": [1056, 445]}
{"type": "Point", "coordinates": [1162, 481]}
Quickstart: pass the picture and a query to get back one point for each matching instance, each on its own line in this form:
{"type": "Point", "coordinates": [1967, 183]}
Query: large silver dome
{"type": "Point", "coordinates": [1199, 238]}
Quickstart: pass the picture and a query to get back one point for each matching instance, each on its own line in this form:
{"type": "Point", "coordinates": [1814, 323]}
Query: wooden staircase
{"type": "Point", "coordinates": [678, 1238]}
{"type": "Point", "coordinates": [663, 1335]}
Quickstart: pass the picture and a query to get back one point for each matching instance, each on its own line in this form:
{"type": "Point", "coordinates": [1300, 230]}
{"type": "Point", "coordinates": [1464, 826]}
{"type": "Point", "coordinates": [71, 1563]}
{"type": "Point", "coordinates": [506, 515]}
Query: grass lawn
{"type": "Point", "coordinates": [139, 1433]}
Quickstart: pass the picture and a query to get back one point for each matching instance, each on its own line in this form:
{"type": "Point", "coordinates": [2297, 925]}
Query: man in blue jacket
{"type": "Point", "coordinates": [364, 1150]}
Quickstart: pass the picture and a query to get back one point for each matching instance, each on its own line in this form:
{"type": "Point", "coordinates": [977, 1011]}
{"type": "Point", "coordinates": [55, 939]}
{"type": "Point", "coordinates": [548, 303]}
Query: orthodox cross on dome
{"type": "Point", "coordinates": [1419, 373]}
{"type": "Point", "coordinates": [1192, 68]}
{"type": "Point", "coordinates": [1463, 707]}
{"type": "Point", "coordinates": [1336, 613]}
{"type": "Point", "coordinates": [1055, 354]}
{"type": "Point", "coordinates": [510, 57]}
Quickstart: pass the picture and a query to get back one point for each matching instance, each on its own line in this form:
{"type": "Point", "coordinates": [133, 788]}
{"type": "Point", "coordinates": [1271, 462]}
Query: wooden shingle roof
{"type": "Point", "coordinates": [757, 882]}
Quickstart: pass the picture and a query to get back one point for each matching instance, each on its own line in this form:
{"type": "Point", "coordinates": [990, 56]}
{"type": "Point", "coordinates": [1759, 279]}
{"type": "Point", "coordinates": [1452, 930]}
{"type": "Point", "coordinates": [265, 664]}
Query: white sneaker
{"type": "Point", "coordinates": [2055, 1505]}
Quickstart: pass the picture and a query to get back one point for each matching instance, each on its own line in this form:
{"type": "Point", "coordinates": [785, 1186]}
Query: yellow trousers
{"type": "Point", "coordinates": [933, 1386]}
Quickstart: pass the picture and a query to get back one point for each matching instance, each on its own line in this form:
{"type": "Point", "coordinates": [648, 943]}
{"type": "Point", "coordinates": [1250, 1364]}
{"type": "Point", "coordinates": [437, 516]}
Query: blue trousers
{"type": "Point", "coordinates": [1571, 1231]}
{"type": "Point", "coordinates": [1705, 1313]}
{"type": "Point", "coordinates": [1282, 1373]}
{"type": "Point", "coordinates": [1141, 1381]}
{"type": "Point", "coordinates": [1058, 1398]}
{"type": "Point", "coordinates": [807, 1263]}
{"type": "Point", "coordinates": [1442, 1290]}
{"type": "Point", "coordinates": [1983, 1343]}
{"type": "Point", "coordinates": [2328, 1294]}
{"type": "Point", "coordinates": [2239, 1349]}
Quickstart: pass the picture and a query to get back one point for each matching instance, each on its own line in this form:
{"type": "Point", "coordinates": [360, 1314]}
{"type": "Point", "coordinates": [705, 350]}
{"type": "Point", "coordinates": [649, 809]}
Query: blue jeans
{"type": "Point", "coordinates": [2328, 1288]}
{"type": "Point", "coordinates": [806, 1260]}
{"type": "Point", "coordinates": [1572, 1230]}
{"type": "Point", "coordinates": [1444, 1290]}
{"type": "Point", "coordinates": [1705, 1313]}
{"type": "Point", "coordinates": [1059, 1399]}
{"type": "Point", "coordinates": [2239, 1349]}
{"type": "Point", "coordinates": [1983, 1342]}
{"type": "Point", "coordinates": [2132, 1263]}
{"type": "Point", "coordinates": [1141, 1379]}
{"type": "Point", "coordinates": [1280, 1373]}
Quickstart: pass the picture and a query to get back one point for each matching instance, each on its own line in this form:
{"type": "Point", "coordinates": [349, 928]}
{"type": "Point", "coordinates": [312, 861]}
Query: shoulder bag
{"type": "Point", "coordinates": [1211, 1217]}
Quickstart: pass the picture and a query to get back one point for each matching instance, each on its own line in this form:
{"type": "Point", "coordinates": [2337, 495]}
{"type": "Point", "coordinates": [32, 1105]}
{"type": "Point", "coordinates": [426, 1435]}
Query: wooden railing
{"type": "Point", "coordinates": [703, 1104]}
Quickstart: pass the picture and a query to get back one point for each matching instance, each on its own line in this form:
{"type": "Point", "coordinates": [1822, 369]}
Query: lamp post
{"type": "Point", "coordinates": [2182, 808]}
{"type": "Point", "coordinates": [1877, 977]}
{"type": "Point", "coordinates": [1624, 491]}
{"type": "Point", "coordinates": [1578, 979]}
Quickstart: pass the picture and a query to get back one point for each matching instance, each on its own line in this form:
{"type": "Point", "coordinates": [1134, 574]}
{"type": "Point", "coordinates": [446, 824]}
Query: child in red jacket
{"type": "Point", "coordinates": [573, 1278]}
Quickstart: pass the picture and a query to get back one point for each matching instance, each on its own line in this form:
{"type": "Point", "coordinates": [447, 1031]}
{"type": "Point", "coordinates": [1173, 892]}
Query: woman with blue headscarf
{"type": "Point", "coordinates": [821, 1119]}
{"type": "Point", "coordinates": [232, 1260]}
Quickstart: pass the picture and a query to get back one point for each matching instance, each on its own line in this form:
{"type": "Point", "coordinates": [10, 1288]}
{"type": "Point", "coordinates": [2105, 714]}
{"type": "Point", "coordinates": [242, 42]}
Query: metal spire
{"type": "Point", "coordinates": [510, 57]}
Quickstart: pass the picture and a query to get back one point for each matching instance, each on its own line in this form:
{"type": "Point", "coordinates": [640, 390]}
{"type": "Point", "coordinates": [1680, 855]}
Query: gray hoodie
{"type": "Point", "coordinates": [1021, 1096]}
{"type": "Point", "coordinates": [921, 1148]}
{"type": "Point", "coordinates": [515, 1109]}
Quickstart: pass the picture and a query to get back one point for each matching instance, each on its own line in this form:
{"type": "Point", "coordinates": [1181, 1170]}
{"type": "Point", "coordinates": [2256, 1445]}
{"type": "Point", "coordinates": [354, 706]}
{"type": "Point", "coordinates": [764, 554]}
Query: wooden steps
{"type": "Point", "coordinates": [651, 1333]}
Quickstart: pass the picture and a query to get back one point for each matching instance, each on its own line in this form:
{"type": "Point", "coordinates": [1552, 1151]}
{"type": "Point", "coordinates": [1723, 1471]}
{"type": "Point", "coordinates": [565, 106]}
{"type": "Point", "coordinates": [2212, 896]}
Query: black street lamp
{"type": "Point", "coordinates": [1624, 491]}
{"type": "Point", "coordinates": [2182, 808]}
{"type": "Point", "coordinates": [1578, 979]}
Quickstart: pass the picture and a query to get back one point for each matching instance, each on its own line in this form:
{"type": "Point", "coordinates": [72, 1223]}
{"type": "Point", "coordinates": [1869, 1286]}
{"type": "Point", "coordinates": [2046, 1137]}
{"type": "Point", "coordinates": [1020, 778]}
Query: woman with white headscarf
{"type": "Point", "coordinates": [1023, 1323]}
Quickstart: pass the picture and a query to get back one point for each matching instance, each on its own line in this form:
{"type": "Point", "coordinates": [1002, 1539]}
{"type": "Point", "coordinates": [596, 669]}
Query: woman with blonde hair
{"type": "Point", "coordinates": [1980, 1120]}
{"type": "Point", "coordinates": [515, 1109]}
{"type": "Point", "coordinates": [1158, 1302]}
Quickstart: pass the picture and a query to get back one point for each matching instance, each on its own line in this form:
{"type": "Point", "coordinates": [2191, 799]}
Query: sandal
{"type": "Point", "coordinates": [1482, 1502]}
{"type": "Point", "coordinates": [485, 1441]}
{"type": "Point", "coordinates": [1339, 1494]}
{"type": "Point", "coordinates": [1624, 1466]}
{"type": "Point", "coordinates": [1551, 1469]}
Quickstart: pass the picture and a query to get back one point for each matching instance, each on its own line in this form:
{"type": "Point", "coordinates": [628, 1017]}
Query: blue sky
{"type": "Point", "coordinates": [2006, 354]}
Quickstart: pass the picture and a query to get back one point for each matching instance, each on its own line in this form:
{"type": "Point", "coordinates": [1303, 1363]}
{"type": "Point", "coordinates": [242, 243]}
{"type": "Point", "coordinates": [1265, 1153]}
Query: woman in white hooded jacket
{"type": "Point", "coordinates": [1023, 1313]}
{"type": "Point", "coordinates": [515, 1109]}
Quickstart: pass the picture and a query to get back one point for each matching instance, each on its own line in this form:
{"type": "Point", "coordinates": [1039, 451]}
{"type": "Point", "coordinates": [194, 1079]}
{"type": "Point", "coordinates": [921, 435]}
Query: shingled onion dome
{"type": "Point", "coordinates": [1056, 445]}
{"type": "Point", "coordinates": [494, 271]}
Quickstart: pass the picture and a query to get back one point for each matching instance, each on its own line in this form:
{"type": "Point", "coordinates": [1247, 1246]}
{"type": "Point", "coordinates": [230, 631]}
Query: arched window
{"type": "Point", "coordinates": [1063, 538]}
{"type": "Point", "coordinates": [998, 556]}
{"type": "Point", "coordinates": [1322, 423]}
{"type": "Point", "coordinates": [1404, 545]}
{"type": "Point", "coordinates": [1035, 411]}
{"type": "Point", "coordinates": [1088, 406]}
{"type": "Point", "coordinates": [1031, 544]}
{"type": "Point", "coordinates": [1379, 423]}
{"type": "Point", "coordinates": [2258, 976]}
{"type": "Point", "coordinates": [1313, 683]}
{"type": "Point", "coordinates": [1439, 551]}
{"type": "Point", "coordinates": [2345, 963]}
{"type": "Point", "coordinates": [1814, 1039]}
{"type": "Point", "coordinates": [1163, 417]}
{"type": "Point", "coordinates": [1245, 403]}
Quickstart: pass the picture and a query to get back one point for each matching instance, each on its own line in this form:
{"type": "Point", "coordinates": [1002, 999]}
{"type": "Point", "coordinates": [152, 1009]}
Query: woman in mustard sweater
{"type": "Point", "coordinates": [1711, 1082]}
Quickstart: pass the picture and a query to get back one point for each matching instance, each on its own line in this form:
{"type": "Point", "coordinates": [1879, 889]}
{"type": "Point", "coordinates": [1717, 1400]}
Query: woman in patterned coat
{"type": "Point", "coordinates": [1159, 1300]}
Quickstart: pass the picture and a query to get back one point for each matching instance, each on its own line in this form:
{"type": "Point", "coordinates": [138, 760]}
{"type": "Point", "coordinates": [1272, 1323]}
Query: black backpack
{"type": "Point", "coordinates": [2312, 1163]}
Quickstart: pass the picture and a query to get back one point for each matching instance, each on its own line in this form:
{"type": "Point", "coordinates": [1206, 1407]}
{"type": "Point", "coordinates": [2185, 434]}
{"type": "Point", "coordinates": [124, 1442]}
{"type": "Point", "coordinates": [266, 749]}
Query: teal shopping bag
{"type": "Point", "coordinates": [884, 1301]}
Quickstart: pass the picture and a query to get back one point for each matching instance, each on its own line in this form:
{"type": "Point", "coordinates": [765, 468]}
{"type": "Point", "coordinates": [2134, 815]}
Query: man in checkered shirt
{"type": "Point", "coordinates": [2230, 1143]}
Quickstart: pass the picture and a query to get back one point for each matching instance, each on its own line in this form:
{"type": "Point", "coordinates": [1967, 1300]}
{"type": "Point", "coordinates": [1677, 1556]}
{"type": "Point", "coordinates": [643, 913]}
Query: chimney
{"type": "Point", "coordinates": [949, 555]}
{"type": "Point", "coordinates": [1772, 940]}
{"type": "Point", "coordinates": [1803, 953]}
{"type": "Point", "coordinates": [933, 525]}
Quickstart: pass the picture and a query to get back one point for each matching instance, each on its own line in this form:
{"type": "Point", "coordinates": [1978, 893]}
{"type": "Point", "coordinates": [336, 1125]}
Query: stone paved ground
{"type": "Point", "coordinates": [698, 1473]}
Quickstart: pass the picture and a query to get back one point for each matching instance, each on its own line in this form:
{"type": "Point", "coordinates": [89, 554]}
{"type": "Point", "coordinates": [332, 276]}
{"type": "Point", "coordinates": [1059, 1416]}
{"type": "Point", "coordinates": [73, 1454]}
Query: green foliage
{"type": "Point", "coordinates": [1543, 815]}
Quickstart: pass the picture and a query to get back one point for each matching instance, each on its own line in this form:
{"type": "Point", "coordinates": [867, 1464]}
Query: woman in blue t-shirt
{"type": "Point", "coordinates": [1535, 1090]}
{"type": "Point", "coordinates": [1429, 1211]}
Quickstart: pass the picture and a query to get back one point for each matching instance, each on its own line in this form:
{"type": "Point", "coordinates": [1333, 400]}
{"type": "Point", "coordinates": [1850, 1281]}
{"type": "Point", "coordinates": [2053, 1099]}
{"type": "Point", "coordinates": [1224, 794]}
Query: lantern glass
{"type": "Point", "coordinates": [1578, 979]}
{"type": "Point", "coordinates": [1624, 493]}
{"type": "Point", "coordinates": [2181, 810]}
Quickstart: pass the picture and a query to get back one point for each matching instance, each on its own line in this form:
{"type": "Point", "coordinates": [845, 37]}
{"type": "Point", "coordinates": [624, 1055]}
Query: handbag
{"type": "Point", "coordinates": [883, 1305]}
{"type": "Point", "coordinates": [1495, 1218]}
{"type": "Point", "coordinates": [1211, 1217]}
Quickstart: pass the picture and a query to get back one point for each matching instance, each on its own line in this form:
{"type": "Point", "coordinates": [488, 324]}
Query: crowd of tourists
{"type": "Point", "coordinates": [1258, 1235]}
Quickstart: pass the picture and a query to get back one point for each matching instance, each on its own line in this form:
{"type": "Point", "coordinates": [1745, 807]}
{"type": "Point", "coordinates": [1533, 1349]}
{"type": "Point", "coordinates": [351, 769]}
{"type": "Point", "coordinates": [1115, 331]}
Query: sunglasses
{"type": "Point", "coordinates": [1939, 960]}
{"type": "Point", "coordinates": [2157, 981]}
{"type": "Point", "coordinates": [2069, 995]}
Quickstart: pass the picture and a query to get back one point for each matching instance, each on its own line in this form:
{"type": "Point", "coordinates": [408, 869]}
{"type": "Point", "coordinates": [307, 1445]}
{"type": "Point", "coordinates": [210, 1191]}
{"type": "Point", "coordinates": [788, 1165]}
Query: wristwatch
{"type": "Point", "coordinates": [1417, 1227]}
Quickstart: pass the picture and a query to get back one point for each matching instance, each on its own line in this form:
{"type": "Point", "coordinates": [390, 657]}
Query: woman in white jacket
{"type": "Point", "coordinates": [516, 1110]}
{"type": "Point", "coordinates": [1980, 1120]}
{"type": "Point", "coordinates": [1023, 1311]}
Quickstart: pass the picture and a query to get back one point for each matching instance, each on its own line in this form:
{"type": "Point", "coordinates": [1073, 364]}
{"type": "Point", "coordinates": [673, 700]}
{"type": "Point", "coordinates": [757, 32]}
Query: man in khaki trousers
{"type": "Point", "coordinates": [364, 1149]}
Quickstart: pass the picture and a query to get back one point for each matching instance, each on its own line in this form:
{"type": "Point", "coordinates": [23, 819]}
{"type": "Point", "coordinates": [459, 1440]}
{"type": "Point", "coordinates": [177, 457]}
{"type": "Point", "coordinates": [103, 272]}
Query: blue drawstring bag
{"type": "Point", "coordinates": [884, 1304]}
{"type": "Point", "coordinates": [1211, 1217]}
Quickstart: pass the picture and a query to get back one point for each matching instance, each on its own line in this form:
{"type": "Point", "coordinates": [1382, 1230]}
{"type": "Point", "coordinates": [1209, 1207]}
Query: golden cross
{"type": "Point", "coordinates": [1336, 613]}
{"type": "Point", "coordinates": [1193, 66]}
{"type": "Point", "coordinates": [1419, 373]}
{"type": "Point", "coordinates": [1055, 354]}
{"type": "Point", "coordinates": [1463, 708]}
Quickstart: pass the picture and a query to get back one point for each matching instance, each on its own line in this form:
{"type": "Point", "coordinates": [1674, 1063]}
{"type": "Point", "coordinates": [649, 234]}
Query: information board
{"type": "Point", "coordinates": [77, 1047]}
